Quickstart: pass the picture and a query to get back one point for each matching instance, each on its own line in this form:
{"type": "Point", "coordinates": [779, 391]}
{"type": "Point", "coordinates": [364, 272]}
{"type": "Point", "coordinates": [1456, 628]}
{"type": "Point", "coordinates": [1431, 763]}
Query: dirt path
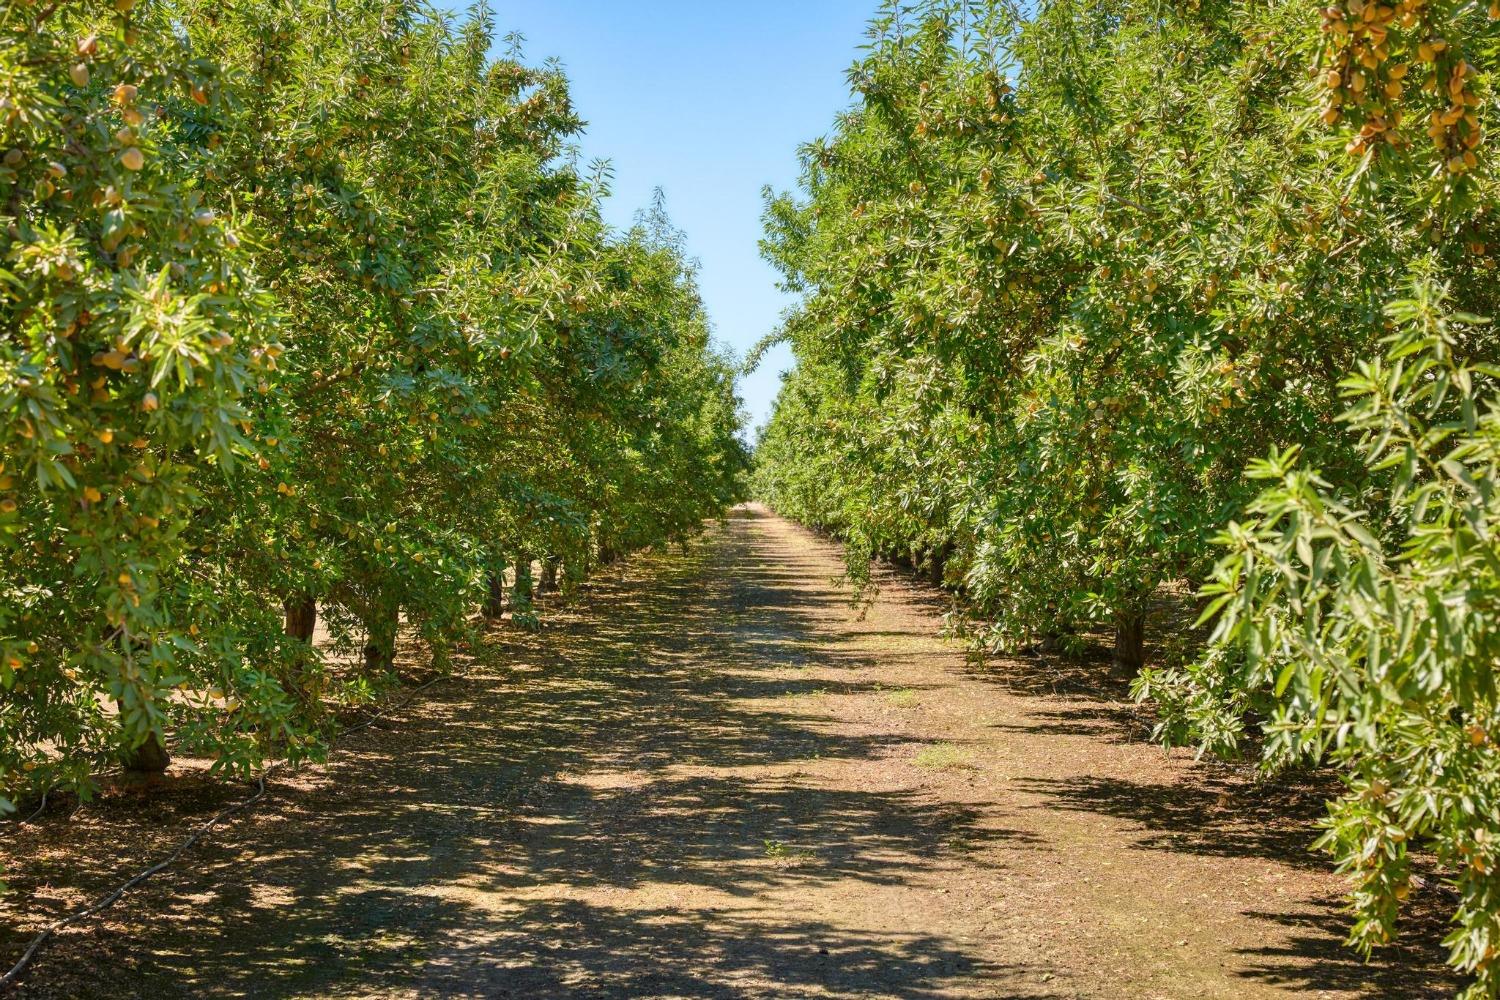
{"type": "Point", "coordinates": [713, 780]}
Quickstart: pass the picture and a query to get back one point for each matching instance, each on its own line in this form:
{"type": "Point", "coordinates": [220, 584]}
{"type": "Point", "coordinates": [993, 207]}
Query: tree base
{"type": "Point", "coordinates": [148, 758]}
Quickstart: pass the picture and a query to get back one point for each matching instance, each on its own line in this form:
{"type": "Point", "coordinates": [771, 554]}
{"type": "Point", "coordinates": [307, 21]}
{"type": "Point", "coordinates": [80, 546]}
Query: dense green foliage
{"type": "Point", "coordinates": [1069, 270]}
{"type": "Point", "coordinates": [306, 311]}
{"type": "Point", "coordinates": [1377, 652]}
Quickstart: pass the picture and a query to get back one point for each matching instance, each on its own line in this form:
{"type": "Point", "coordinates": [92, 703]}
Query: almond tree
{"type": "Point", "coordinates": [311, 319]}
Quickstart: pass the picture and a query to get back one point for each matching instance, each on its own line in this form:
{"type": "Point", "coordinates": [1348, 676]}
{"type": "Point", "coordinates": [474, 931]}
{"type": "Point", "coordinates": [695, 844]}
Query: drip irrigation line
{"type": "Point", "coordinates": [105, 902]}
{"type": "Point", "coordinates": [42, 806]}
{"type": "Point", "coordinates": [39, 809]}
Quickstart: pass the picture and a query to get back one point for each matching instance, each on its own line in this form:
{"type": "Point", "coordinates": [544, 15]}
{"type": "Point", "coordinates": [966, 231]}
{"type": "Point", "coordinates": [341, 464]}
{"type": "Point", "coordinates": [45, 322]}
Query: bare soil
{"type": "Point", "coordinates": [714, 777]}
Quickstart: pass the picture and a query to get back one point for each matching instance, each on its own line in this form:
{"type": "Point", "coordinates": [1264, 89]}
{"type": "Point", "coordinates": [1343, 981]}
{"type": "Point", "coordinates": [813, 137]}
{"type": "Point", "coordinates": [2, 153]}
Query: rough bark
{"type": "Point", "coordinates": [937, 567]}
{"type": "Point", "coordinates": [549, 576]}
{"type": "Point", "coordinates": [301, 622]}
{"type": "Point", "coordinates": [380, 646]}
{"type": "Point", "coordinates": [1130, 641]}
{"type": "Point", "coordinates": [494, 606]}
{"type": "Point", "coordinates": [301, 617]}
{"type": "Point", "coordinates": [148, 758]}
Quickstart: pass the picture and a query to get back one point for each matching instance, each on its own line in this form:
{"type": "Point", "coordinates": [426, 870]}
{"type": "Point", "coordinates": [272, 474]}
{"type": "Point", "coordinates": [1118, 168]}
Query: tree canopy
{"type": "Point", "coordinates": [1069, 269]}
{"type": "Point", "coordinates": [307, 310]}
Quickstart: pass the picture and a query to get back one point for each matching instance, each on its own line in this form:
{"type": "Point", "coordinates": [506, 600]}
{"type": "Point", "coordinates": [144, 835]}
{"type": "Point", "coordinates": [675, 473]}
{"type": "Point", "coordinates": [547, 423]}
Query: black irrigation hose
{"type": "Point", "coordinates": [39, 809]}
{"type": "Point", "coordinates": [105, 902]}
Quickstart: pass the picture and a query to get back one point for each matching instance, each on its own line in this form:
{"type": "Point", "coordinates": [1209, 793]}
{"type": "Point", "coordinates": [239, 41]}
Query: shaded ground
{"type": "Point", "coordinates": [713, 779]}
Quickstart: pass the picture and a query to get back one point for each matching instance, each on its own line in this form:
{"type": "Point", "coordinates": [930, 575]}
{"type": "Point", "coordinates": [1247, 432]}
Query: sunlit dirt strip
{"type": "Point", "coordinates": [715, 777]}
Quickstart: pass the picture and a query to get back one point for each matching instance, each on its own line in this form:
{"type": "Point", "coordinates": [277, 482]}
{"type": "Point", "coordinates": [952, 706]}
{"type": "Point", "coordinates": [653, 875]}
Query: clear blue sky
{"type": "Point", "coordinates": [709, 100]}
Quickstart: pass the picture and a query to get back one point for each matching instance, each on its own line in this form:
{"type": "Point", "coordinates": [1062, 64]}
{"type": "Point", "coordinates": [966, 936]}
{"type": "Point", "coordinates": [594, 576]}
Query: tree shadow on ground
{"type": "Point", "coordinates": [1221, 810]}
{"type": "Point", "coordinates": [1404, 968]}
{"type": "Point", "coordinates": [1224, 812]}
{"type": "Point", "coordinates": [1216, 815]}
{"type": "Point", "coordinates": [655, 738]}
{"type": "Point", "coordinates": [717, 956]}
{"type": "Point", "coordinates": [1087, 674]}
{"type": "Point", "coordinates": [643, 739]}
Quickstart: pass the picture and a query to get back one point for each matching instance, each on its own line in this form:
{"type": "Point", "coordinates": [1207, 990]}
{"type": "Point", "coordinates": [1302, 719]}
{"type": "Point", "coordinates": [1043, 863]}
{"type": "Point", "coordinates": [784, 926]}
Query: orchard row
{"type": "Point", "coordinates": [1070, 270]}
{"type": "Point", "coordinates": [307, 314]}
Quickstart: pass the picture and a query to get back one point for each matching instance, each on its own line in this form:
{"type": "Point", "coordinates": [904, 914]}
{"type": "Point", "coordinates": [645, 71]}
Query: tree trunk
{"type": "Point", "coordinates": [301, 617]}
{"type": "Point", "coordinates": [522, 590]}
{"type": "Point", "coordinates": [937, 569]}
{"type": "Point", "coordinates": [378, 658]}
{"type": "Point", "coordinates": [380, 647]}
{"type": "Point", "coordinates": [549, 575]}
{"type": "Point", "coordinates": [301, 623]}
{"type": "Point", "coordinates": [494, 607]}
{"type": "Point", "coordinates": [1130, 641]}
{"type": "Point", "coordinates": [148, 758]}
